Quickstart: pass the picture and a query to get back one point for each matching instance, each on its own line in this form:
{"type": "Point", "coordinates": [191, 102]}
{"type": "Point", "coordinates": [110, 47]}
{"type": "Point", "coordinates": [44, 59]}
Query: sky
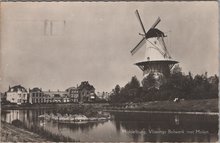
{"type": "Point", "coordinates": [59, 45]}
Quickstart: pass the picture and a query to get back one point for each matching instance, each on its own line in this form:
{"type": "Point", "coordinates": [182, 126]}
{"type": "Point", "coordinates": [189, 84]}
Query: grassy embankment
{"type": "Point", "coordinates": [10, 133]}
{"type": "Point", "coordinates": [20, 133]}
{"type": "Point", "coordinates": [203, 105]}
{"type": "Point", "coordinates": [28, 106]}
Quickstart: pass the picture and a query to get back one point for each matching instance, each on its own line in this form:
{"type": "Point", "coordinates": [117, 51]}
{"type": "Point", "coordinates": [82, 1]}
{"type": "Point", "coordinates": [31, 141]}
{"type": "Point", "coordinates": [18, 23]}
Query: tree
{"type": "Point", "coordinates": [114, 97]}
{"type": "Point", "coordinates": [201, 86]}
{"type": "Point", "coordinates": [130, 90]}
{"type": "Point", "coordinates": [214, 81]}
{"type": "Point", "coordinates": [148, 82]}
{"type": "Point", "coordinates": [176, 69]}
{"type": "Point", "coordinates": [117, 90]}
{"type": "Point", "coordinates": [134, 84]}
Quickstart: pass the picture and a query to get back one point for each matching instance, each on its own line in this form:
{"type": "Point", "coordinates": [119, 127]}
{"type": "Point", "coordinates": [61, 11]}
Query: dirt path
{"type": "Point", "coordinates": [10, 133]}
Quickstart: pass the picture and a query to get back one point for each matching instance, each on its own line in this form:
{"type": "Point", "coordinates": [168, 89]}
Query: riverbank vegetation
{"type": "Point", "coordinates": [198, 105]}
{"type": "Point", "coordinates": [89, 111]}
{"type": "Point", "coordinates": [10, 133]}
{"type": "Point", "coordinates": [201, 105]}
{"type": "Point", "coordinates": [49, 136]}
{"type": "Point", "coordinates": [177, 85]}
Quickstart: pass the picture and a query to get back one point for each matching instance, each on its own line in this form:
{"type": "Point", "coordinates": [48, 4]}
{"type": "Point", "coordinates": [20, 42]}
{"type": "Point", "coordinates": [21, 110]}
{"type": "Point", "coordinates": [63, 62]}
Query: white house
{"type": "Point", "coordinates": [17, 94]}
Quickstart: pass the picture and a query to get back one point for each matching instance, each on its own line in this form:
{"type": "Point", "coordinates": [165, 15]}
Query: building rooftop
{"type": "Point", "coordinates": [36, 89]}
{"type": "Point", "coordinates": [71, 88]}
{"type": "Point", "coordinates": [85, 85]}
{"type": "Point", "coordinates": [17, 88]}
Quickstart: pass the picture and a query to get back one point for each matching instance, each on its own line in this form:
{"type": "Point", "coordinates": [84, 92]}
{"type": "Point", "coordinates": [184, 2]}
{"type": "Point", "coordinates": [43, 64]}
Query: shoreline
{"type": "Point", "coordinates": [202, 106]}
{"type": "Point", "coordinates": [167, 112]}
{"type": "Point", "coordinates": [141, 111]}
{"type": "Point", "coordinates": [10, 133]}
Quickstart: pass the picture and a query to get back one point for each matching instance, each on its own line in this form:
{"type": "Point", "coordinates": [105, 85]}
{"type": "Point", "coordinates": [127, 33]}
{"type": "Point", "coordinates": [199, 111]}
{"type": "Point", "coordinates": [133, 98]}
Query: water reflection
{"type": "Point", "coordinates": [126, 126]}
{"type": "Point", "coordinates": [167, 127]}
{"type": "Point", "coordinates": [83, 127]}
{"type": "Point", "coordinates": [177, 119]}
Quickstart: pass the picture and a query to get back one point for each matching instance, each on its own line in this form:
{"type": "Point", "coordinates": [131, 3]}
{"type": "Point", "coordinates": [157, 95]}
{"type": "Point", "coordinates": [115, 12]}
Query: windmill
{"type": "Point", "coordinates": [157, 58]}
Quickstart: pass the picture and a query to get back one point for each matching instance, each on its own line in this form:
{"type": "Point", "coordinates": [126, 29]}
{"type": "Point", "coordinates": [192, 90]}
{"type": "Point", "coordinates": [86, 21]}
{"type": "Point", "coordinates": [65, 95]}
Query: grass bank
{"type": "Point", "coordinates": [28, 106]}
{"type": "Point", "coordinates": [18, 132]}
{"type": "Point", "coordinates": [202, 105]}
{"type": "Point", "coordinates": [10, 133]}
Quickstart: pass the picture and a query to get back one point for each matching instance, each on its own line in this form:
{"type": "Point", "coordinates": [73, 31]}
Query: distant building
{"type": "Point", "coordinates": [65, 97]}
{"type": "Point", "coordinates": [73, 94]}
{"type": "Point", "coordinates": [103, 95]}
{"type": "Point", "coordinates": [3, 97]}
{"type": "Point", "coordinates": [56, 96]}
{"type": "Point", "coordinates": [17, 94]}
{"type": "Point", "coordinates": [36, 96]}
{"type": "Point", "coordinates": [86, 92]}
{"type": "Point", "coordinates": [48, 96]}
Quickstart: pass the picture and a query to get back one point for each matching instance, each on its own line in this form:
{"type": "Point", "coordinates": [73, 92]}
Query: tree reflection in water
{"type": "Point", "coordinates": [80, 126]}
{"type": "Point", "coordinates": [138, 125]}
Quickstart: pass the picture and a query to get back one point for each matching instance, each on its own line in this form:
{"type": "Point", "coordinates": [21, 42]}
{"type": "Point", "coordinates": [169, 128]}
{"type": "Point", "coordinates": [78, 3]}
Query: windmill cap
{"type": "Point", "coordinates": [154, 32]}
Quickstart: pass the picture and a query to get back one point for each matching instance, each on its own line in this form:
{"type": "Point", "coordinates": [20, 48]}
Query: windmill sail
{"type": "Point", "coordinates": [156, 22]}
{"type": "Point", "coordinates": [139, 45]}
{"type": "Point", "coordinates": [139, 19]}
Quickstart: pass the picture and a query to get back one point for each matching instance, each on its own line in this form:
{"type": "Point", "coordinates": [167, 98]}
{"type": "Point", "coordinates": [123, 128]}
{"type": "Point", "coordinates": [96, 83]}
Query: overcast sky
{"type": "Point", "coordinates": [58, 45]}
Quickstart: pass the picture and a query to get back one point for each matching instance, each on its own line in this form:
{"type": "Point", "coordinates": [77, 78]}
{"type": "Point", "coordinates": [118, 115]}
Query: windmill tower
{"type": "Point", "coordinates": [157, 59]}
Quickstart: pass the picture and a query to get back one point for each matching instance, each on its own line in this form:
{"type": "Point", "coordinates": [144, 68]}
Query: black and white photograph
{"type": "Point", "coordinates": [114, 71]}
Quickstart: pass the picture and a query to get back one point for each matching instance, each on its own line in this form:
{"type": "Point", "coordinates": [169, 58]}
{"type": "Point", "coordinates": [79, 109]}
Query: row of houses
{"type": "Point", "coordinates": [19, 95]}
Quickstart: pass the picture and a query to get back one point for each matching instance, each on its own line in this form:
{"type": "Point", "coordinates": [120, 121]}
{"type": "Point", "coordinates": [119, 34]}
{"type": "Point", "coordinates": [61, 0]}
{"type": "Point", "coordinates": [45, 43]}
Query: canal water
{"type": "Point", "coordinates": [126, 126]}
